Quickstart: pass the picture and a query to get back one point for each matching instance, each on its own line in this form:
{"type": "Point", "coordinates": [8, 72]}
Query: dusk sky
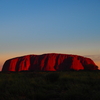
{"type": "Point", "coordinates": [49, 26]}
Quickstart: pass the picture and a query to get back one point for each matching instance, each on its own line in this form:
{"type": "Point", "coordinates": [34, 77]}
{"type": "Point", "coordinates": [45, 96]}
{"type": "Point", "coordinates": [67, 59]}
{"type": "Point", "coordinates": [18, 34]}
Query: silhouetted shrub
{"type": "Point", "coordinates": [52, 77]}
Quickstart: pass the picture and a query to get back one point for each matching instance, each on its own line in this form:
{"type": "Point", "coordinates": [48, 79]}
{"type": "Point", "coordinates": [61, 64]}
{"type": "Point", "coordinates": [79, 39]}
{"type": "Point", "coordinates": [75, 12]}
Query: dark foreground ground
{"type": "Point", "coordinates": [69, 85]}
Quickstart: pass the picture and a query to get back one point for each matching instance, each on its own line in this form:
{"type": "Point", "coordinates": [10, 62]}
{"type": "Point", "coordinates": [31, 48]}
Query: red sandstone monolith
{"type": "Point", "coordinates": [49, 62]}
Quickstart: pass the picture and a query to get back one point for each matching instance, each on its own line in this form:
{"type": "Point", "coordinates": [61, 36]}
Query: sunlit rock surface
{"type": "Point", "coordinates": [49, 62]}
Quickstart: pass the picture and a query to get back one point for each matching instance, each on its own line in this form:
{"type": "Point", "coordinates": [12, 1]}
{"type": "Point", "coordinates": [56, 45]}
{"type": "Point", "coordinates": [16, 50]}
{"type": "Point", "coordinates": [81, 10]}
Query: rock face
{"type": "Point", "coordinates": [49, 62]}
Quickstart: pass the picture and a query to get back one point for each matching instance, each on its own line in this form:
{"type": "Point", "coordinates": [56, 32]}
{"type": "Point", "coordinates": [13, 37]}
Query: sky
{"type": "Point", "coordinates": [49, 26]}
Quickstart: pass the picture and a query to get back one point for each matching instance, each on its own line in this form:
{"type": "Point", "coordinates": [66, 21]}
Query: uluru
{"type": "Point", "coordinates": [49, 62]}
